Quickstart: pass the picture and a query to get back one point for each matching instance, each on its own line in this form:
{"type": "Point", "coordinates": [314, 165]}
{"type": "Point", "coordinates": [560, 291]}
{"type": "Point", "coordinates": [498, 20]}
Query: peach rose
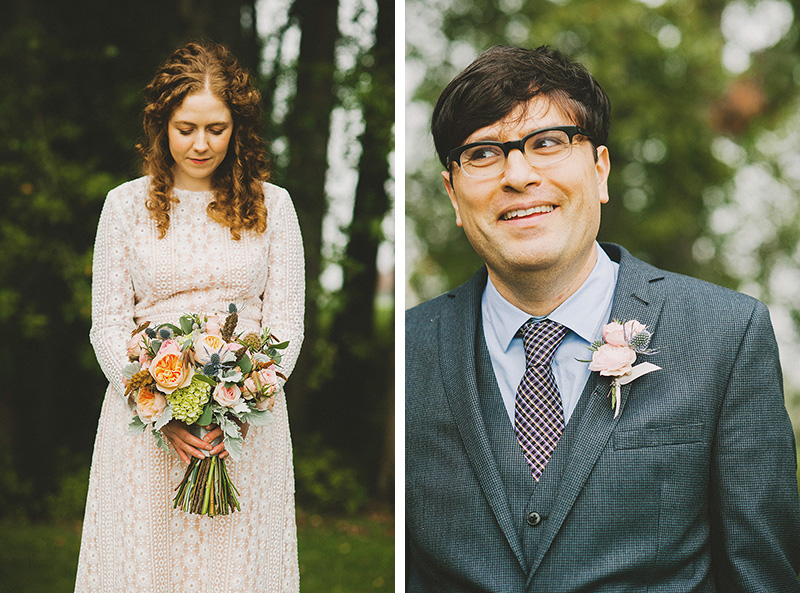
{"type": "Point", "coordinates": [134, 346]}
{"type": "Point", "coordinates": [149, 405]}
{"type": "Point", "coordinates": [213, 328]}
{"type": "Point", "coordinates": [612, 361]}
{"type": "Point", "coordinates": [615, 333]}
{"type": "Point", "coordinates": [249, 387]}
{"type": "Point", "coordinates": [266, 403]}
{"type": "Point", "coordinates": [268, 380]}
{"type": "Point", "coordinates": [227, 396]}
{"type": "Point", "coordinates": [263, 382]}
{"type": "Point", "coordinates": [169, 369]}
{"type": "Point", "coordinates": [205, 345]}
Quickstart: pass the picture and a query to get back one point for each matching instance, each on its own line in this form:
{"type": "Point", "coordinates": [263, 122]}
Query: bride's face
{"type": "Point", "coordinates": [199, 132]}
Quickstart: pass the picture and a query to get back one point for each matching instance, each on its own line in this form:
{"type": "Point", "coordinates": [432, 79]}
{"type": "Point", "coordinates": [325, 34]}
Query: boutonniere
{"type": "Point", "coordinates": [614, 355]}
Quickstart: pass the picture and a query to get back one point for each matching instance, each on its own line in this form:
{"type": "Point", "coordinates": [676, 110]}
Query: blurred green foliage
{"type": "Point", "coordinates": [326, 483]}
{"type": "Point", "coordinates": [660, 62]}
{"type": "Point", "coordinates": [70, 114]}
{"type": "Point", "coordinates": [705, 172]}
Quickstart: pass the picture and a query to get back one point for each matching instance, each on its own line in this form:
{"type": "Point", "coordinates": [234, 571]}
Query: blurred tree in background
{"type": "Point", "coordinates": [70, 114]}
{"type": "Point", "coordinates": [704, 144]}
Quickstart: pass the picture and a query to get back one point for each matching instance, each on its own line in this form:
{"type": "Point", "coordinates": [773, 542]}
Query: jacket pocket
{"type": "Point", "coordinates": [659, 436]}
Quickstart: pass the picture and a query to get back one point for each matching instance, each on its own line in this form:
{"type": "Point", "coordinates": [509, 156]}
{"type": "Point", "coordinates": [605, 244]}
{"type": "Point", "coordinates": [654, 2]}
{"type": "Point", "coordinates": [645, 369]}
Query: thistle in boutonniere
{"type": "Point", "coordinates": [614, 355]}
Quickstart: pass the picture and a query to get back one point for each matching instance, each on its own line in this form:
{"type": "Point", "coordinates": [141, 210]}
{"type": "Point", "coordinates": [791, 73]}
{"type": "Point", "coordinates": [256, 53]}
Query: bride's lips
{"type": "Point", "coordinates": [516, 212]}
{"type": "Point", "coordinates": [200, 161]}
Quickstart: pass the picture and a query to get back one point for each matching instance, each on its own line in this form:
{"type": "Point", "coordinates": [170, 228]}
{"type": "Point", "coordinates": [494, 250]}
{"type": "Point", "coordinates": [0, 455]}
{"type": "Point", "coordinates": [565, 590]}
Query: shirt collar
{"type": "Point", "coordinates": [584, 312]}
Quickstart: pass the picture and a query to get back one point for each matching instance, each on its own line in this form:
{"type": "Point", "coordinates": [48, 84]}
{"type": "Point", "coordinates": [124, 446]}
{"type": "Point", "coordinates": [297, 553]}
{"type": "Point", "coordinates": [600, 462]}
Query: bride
{"type": "Point", "coordinates": [200, 230]}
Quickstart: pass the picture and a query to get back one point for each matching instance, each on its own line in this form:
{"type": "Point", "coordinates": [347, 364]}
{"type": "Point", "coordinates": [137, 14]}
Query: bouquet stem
{"type": "Point", "coordinates": [206, 489]}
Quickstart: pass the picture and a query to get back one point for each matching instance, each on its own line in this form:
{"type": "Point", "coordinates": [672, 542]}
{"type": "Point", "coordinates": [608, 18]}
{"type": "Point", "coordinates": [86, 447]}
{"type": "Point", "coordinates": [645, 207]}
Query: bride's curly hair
{"type": "Point", "coordinates": [237, 183]}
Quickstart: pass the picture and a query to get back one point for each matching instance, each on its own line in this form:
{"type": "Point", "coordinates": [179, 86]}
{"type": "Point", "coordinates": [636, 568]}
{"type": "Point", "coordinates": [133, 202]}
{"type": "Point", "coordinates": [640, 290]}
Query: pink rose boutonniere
{"type": "Point", "coordinates": [614, 355]}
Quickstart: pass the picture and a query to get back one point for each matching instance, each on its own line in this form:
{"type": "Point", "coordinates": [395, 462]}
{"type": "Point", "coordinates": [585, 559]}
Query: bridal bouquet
{"type": "Point", "coordinates": [201, 372]}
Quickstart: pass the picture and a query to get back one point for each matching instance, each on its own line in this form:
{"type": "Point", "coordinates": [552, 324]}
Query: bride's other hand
{"type": "Point", "coordinates": [216, 433]}
{"type": "Point", "coordinates": [185, 443]}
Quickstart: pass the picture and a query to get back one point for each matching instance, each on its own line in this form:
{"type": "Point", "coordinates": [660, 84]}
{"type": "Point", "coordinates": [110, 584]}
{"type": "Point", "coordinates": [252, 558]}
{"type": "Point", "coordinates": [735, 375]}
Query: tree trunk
{"type": "Point", "coordinates": [363, 367]}
{"type": "Point", "coordinates": [307, 130]}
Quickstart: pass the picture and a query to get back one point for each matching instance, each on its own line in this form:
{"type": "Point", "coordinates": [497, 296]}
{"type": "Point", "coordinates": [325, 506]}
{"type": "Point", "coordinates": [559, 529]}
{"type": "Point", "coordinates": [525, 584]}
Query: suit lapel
{"type": "Point", "coordinates": [636, 297]}
{"type": "Point", "coordinates": [458, 325]}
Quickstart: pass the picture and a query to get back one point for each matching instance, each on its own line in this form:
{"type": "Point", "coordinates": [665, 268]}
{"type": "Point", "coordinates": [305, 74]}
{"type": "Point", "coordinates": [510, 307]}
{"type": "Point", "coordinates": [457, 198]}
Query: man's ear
{"type": "Point", "coordinates": [602, 169]}
{"type": "Point", "coordinates": [452, 193]}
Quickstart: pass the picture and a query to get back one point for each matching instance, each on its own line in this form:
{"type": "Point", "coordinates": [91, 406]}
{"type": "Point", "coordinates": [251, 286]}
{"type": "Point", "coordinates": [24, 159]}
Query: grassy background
{"type": "Point", "coordinates": [337, 555]}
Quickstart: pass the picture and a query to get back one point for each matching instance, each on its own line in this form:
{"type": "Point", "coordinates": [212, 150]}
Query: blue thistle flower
{"type": "Point", "coordinates": [165, 333]}
{"type": "Point", "coordinates": [640, 341]}
{"type": "Point", "coordinates": [151, 333]}
{"type": "Point", "coordinates": [231, 308]}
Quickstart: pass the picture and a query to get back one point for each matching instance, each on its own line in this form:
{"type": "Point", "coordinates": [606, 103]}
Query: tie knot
{"type": "Point", "coordinates": [541, 340]}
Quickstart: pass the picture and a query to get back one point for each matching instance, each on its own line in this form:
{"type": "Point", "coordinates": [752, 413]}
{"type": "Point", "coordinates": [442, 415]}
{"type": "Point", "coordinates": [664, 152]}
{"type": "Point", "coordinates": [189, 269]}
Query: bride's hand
{"type": "Point", "coordinates": [185, 443]}
{"type": "Point", "coordinates": [216, 433]}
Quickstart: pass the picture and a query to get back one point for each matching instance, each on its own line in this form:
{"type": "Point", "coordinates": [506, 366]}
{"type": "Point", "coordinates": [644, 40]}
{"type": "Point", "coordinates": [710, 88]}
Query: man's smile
{"type": "Point", "coordinates": [527, 212]}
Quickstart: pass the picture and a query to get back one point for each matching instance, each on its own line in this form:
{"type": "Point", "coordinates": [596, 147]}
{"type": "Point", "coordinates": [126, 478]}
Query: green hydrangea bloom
{"type": "Point", "coordinates": [188, 402]}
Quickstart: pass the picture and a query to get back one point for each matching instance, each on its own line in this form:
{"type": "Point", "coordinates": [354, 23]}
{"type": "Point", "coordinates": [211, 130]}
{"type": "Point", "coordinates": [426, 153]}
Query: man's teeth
{"type": "Point", "coordinates": [527, 212]}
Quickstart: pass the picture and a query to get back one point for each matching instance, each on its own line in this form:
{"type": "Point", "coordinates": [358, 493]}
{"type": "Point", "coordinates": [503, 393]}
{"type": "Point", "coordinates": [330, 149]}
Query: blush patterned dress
{"type": "Point", "coordinates": [133, 540]}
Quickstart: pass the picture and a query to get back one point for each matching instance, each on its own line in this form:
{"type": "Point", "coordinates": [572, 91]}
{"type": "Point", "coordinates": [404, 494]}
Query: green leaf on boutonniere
{"type": "Point", "coordinates": [281, 345]}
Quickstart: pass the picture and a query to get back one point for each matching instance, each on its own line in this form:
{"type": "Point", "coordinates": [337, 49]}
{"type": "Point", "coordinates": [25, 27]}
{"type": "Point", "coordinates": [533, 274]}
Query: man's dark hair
{"type": "Point", "coordinates": [503, 77]}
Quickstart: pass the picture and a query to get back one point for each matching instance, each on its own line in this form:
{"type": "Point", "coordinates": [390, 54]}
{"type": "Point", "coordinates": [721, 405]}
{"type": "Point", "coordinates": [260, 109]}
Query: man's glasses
{"type": "Point", "coordinates": [541, 148]}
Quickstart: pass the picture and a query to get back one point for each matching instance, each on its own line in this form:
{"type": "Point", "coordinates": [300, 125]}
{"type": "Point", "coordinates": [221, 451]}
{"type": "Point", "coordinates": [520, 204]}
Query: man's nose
{"type": "Point", "coordinates": [518, 172]}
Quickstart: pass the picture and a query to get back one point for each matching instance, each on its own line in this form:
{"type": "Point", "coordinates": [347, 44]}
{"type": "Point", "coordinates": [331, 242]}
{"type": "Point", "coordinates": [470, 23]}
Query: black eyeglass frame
{"type": "Point", "coordinates": [454, 155]}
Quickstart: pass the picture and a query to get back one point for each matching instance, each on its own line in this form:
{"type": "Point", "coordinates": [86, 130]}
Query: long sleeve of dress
{"type": "Point", "coordinates": [134, 540]}
{"type": "Point", "coordinates": [284, 293]}
{"type": "Point", "coordinates": [112, 294]}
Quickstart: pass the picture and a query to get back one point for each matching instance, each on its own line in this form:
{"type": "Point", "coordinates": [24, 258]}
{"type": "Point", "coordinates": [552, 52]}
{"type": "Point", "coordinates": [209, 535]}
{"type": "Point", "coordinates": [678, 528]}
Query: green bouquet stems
{"type": "Point", "coordinates": [206, 489]}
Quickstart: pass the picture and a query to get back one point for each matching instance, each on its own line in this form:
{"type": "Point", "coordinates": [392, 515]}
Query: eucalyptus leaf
{"type": "Point", "coordinates": [205, 417]}
{"type": "Point", "coordinates": [186, 324]}
{"type": "Point", "coordinates": [175, 329]}
{"type": "Point", "coordinates": [246, 364]}
{"type": "Point", "coordinates": [281, 345]}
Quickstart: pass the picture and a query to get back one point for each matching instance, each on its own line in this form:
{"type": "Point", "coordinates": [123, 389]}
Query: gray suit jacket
{"type": "Point", "coordinates": [692, 488]}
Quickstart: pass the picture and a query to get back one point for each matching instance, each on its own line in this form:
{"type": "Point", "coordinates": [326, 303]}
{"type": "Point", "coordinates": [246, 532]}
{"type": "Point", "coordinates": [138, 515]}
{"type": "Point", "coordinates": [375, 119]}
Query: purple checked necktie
{"type": "Point", "coordinates": [538, 412]}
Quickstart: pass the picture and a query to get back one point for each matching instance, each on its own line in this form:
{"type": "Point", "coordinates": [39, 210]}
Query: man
{"type": "Point", "coordinates": [523, 471]}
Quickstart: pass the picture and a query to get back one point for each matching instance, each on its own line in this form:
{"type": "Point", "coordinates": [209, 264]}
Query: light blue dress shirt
{"type": "Point", "coordinates": [584, 313]}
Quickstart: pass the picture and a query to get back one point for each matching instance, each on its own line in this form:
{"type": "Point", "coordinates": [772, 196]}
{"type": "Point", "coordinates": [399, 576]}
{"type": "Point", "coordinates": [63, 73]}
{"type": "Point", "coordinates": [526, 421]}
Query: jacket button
{"type": "Point", "coordinates": [534, 518]}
